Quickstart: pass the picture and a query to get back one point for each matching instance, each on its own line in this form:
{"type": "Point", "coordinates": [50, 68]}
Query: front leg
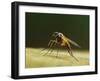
{"type": "Point", "coordinates": [51, 42]}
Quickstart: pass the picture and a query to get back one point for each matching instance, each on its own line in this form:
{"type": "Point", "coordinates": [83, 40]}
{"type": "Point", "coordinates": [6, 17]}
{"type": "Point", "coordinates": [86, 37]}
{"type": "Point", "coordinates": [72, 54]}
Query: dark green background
{"type": "Point", "coordinates": [40, 26]}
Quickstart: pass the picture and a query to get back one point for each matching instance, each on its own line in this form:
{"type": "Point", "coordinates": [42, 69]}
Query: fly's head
{"type": "Point", "coordinates": [57, 34]}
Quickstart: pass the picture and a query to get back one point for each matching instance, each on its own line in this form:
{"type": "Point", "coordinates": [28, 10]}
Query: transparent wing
{"type": "Point", "coordinates": [69, 40]}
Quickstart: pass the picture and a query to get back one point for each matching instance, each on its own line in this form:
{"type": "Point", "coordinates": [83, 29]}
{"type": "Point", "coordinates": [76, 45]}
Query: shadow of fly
{"type": "Point", "coordinates": [63, 41]}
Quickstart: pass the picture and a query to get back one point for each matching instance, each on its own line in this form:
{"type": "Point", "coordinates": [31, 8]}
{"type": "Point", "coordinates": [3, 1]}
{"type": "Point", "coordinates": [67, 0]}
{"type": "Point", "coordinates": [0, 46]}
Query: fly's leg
{"type": "Point", "coordinates": [50, 44]}
{"type": "Point", "coordinates": [57, 52]}
{"type": "Point", "coordinates": [70, 52]}
{"type": "Point", "coordinates": [52, 48]}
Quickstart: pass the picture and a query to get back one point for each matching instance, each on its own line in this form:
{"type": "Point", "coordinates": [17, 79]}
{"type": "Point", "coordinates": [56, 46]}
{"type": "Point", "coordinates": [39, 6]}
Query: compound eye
{"type": "Point", "coordinates": [60, 34]}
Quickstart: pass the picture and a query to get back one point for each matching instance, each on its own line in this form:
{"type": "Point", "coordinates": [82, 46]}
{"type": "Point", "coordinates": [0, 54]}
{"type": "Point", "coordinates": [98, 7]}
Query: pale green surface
{"type": "Point", "coordinates": [36, 58]}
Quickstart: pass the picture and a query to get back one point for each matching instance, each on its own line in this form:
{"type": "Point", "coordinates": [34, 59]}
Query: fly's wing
{"type": "Point", "coordinates": [72, 42]}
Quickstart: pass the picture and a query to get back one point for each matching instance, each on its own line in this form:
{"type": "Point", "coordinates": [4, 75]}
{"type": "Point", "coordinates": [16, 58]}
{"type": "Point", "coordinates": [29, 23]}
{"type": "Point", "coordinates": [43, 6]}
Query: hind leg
{"type": "Point", "coordinates": [70, 52]}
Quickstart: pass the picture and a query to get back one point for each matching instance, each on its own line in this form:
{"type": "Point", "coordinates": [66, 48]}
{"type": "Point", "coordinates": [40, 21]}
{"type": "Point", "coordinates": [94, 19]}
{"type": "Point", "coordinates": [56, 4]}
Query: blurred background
{"type": "Point", "coordinates": [40, 27]}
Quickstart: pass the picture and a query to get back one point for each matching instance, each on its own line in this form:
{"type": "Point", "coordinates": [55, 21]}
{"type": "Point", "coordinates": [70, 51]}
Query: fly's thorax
{"type": "Point", "coordinates": [59, 39]}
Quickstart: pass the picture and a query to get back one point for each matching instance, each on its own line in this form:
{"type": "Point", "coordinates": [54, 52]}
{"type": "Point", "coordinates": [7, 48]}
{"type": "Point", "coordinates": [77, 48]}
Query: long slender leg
{"type": "Point", "coordinates": [57, 53]}
{"type": "Point", "coordinates": [48, 49]}
{"type": "Point", "coordinates": [70, 52]}
{"type": "Point", "coordinates": [50, 45]}
{"type": "Point", "coordinates": [73, 56]}
{"type": "Point", "coordinates": [55, 43]}
{"type": "Point", "coordinates": [52, 48]}
{"type": "Point", "coordinates": [50, 42]}
{"type": "Point", "coordinates": [43, 49]}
